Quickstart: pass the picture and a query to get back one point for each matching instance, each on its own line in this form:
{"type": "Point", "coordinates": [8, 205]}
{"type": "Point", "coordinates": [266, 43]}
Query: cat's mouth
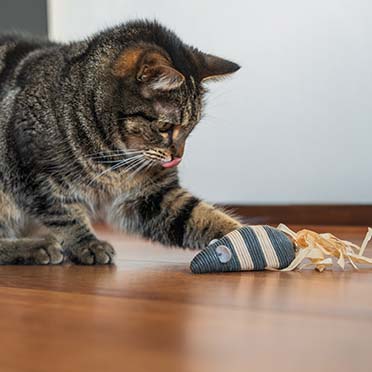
{"type": "Point", "coordinates": [162, 157]}
{"type": "Point", "coordinates": [171, 163]}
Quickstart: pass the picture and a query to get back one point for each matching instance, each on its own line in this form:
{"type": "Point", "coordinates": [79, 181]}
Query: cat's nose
{"type": "Point", "coordinates": [178, 150]}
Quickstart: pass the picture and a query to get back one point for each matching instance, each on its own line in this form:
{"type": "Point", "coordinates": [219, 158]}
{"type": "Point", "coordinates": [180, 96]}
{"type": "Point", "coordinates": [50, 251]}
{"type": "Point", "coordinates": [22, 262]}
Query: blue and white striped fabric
{"type": "Point", "coordinates": [246, 249]}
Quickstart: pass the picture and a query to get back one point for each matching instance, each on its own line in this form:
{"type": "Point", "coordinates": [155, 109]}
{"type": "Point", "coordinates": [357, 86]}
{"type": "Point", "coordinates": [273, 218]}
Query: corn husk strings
{"type": "Point", "coordinates": [321, 250]}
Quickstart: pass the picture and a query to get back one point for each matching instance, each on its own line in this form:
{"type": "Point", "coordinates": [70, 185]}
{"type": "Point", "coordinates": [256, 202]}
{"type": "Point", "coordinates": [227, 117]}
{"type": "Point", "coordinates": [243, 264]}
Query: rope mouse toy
{"type": "Point", "coordinates": [266, 248]}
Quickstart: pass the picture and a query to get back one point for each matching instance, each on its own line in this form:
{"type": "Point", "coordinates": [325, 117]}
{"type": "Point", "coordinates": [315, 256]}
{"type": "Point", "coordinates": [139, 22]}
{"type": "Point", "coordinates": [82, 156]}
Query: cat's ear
{"type": "Point", "coordinates": [160, 77]}
{"type": "Point", "coordinates": [150, 68]}
{"type": "Point", "coordinates": [214, 68]}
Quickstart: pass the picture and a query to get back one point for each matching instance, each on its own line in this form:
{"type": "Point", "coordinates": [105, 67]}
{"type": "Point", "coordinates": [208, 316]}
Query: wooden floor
{"type": "Point", "coordinates": [149, 313]}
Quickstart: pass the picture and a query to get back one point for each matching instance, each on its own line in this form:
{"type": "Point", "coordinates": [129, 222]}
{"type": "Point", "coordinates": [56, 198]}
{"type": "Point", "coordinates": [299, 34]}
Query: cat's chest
{"type": "Point", "coordinates": [99, 204]}
{"type": "Point", "coordinates": [102, 200]}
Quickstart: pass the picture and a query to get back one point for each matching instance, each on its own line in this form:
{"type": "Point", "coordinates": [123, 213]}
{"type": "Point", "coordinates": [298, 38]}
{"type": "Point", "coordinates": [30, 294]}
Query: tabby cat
{"type": "Point", "coordinates": [95, 129]}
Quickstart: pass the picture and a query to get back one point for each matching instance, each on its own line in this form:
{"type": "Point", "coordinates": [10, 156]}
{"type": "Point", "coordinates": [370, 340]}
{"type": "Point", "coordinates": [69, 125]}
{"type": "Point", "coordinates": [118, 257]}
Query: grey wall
{"type": "Point", "coordinates": [24, 15]}
{"type": "Point", "coordinates": [295, 124]}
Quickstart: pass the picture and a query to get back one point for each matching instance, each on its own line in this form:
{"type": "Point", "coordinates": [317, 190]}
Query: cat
{"type": "Point", "coordinates": [95, 129]}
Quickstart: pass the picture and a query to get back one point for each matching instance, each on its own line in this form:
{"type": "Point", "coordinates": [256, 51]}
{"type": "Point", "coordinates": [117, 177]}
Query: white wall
{"type": "Point", "coordinates": [295, 123]}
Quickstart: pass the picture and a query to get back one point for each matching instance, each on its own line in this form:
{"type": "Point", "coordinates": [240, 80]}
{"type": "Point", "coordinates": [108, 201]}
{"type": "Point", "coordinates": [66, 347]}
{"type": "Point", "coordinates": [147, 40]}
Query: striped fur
{"type": "Point", "coordinates": [248, 248]}
{"type": "Point", "coordinates": [84, 130]}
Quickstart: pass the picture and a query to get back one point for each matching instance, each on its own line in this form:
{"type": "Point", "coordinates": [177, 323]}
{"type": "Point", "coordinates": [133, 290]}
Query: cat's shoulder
{"type": "Point", "coordinates": [15, 38]}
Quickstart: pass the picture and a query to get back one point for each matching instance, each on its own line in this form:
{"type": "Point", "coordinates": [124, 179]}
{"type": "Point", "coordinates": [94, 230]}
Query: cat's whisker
{"type": "Point", "coordinates": [113, 150]}
{"type": "Point", "coordinates": [125, 162]}
{"type": "Point", "coordinates": [141, 167]}
{"type": "Point", "coordinates": [149, 166]}
{"type": "Point", "coordinates": [112, 161]}
{"type": "Point", "coordinates": [119, 157]}
{"type": "Point", "coordinates": [130, 161]}
{"type": "Point", "coordinates": [131, 164]}
{"type": "Point", "coordinates": [106, 155]}
{"type": "Point", "coordinates": [151, 163]}
{"type": "Point", "coordinates": [122, 161]}
{"type": "Point", "coordinates": [70, 169]}
{"type": "Point", "coordinates": [71, 166]}
{"type": "Point", "coordinates": [134, 165]}
{"type": "Point", "coordinates": [109, 161]}
{"type": "Point", "coordinates": [122, 164]}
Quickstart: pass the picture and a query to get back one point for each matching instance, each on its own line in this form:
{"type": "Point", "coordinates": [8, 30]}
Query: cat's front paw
{"type": "Point", "coordinates": [43, 252]}
{"type": "Point", "coordinates": [95, 252]}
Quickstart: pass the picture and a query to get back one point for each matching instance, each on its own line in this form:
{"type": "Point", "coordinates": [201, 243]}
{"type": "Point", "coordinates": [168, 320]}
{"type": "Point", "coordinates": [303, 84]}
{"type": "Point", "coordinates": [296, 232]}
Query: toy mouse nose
{"type": "Point", "coordinates": [214, 258]}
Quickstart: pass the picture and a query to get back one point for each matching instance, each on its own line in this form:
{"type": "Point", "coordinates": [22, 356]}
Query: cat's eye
{"type": "Point", "coordinates": [141, 115]}
{"type": "Point", "coordinates": [165, 127]}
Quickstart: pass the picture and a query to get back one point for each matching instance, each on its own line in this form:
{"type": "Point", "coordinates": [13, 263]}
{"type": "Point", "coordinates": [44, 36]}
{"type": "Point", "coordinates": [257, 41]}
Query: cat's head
{"type": "Point", "coordinates": [159, 90]}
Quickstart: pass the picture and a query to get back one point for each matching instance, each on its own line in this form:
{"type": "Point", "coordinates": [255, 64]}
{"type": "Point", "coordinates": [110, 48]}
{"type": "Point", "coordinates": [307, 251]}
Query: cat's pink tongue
{"type": "Point", "coordinates": [172, 163]}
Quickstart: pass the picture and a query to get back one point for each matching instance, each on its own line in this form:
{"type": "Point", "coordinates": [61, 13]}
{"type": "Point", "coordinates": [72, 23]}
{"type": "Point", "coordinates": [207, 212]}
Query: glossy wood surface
{"type": "Point", "coordinates": [149, 313]}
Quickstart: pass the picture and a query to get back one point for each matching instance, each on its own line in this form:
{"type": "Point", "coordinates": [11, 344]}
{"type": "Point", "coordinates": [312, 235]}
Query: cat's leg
{"type": "Point", "coordinates": [173, 217]}
{"type": "Point", "coordinates": [71, 225]}
{"type": "Point", "coordinates": [22, 250]}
